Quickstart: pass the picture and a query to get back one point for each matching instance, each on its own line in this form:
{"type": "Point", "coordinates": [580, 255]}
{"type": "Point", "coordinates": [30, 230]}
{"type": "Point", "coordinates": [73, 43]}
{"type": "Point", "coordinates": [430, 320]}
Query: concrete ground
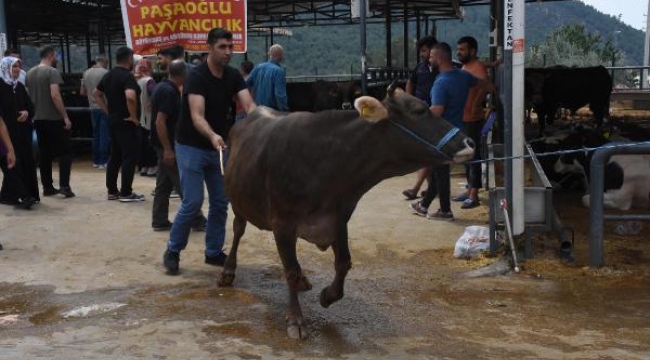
{"type": "Point", "coordinates": [81, 279]}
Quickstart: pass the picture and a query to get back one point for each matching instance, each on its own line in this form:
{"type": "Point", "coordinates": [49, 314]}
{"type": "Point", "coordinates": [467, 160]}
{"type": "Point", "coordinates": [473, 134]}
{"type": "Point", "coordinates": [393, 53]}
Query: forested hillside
{"type": "Point", "coordinates": [328, 50]}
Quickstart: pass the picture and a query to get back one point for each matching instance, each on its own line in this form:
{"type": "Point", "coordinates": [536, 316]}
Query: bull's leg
{"type": "Point", "coordinates": [228, 274]}
{"type": "Point", "coordinates": [541, 122]}
{"type": "Point", "coordinates": [285, 240]}
{"type": "Point", "coordinates": [599, 114]}
{"type": "Point", "coordinates": [342, 264]}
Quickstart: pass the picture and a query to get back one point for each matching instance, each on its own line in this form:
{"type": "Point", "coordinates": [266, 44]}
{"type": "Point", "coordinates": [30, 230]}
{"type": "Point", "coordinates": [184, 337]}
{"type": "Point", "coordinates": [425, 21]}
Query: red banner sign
{"type": "Point", "coordinates": [152, 25]}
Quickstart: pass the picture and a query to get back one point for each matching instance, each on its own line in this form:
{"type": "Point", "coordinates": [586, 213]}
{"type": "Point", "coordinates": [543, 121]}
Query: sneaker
{"type": "Point", "coordinates": [133, 197]}
{"type": "Point", "coordinates": [112, 196]}
{"type": "Point", "coordinates": [418, 209]}
{"type": "Point", "coordinates": [50, 191]}
{"type": "Point", "coordinates": [410, 194]}
{"type": "Point", "coordinates": [441, 215]}
{"type": "Point", "coordinates": [152, 171]}
{"type": "Point", "coordinates": [164, 227]}
{"type": "Point", "coordinates": [27, 203]}
{"type": "Point", "coordinates": [218, 260]}
{"type": "Point", "coordinates": [470, 204]}
{"type": "Point", "coordinates": [66, 191]}
{"type": "Point", "coordinates": [174, 194]}
{"type": "Point", "coordinates": [171, 261]}
{"type": "Point", "coordinates": [101, 166]}
{"type": "Point", "coordinates": [95, 166]}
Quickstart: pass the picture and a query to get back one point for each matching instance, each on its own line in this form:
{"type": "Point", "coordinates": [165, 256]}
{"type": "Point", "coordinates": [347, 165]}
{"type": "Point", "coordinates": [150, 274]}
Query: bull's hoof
{"type": "Point", "coordinates": [324, 301]}
{"type": "Point", "coordinates": [226, 280]}
{"type": "Point", "coordinates": [297, 332]}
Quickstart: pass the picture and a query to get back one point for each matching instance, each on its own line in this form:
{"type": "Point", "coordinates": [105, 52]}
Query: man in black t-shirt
{"type": "Point", "coordinates": [165, 110]}
{"type": "Point", "coordinates": [200, 136]}
{"type": "Point", "coordinates": [122, 94]}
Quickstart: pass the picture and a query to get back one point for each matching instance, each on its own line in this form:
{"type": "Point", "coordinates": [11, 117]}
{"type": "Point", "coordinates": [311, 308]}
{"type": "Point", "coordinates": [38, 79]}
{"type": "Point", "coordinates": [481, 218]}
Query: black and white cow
{"type": "Point", "coordinates": [627, 177]}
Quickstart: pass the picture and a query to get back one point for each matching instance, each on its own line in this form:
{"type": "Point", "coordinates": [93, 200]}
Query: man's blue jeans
{"type": "Point", "coordinates": [196, 167]}
{"type": "Point", "coordinates": [101, 139]}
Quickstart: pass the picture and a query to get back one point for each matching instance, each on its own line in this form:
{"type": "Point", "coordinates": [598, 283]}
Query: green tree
{"type": "Point", "coordinates": [572, 45]}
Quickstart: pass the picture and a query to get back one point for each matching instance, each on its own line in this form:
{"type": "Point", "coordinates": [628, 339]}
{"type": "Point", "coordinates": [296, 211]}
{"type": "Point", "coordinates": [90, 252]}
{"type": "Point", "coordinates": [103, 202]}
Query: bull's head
{"type": "Point", "coordinates": [414, 119]}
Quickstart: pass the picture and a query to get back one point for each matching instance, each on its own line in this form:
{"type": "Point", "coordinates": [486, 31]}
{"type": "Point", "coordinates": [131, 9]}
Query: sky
{"type": "Point", "coordinates": [633, 11]}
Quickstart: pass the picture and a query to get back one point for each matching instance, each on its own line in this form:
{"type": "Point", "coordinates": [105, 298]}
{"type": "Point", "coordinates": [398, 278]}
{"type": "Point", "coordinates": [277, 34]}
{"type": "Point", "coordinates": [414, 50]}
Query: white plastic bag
{"type": "Point", "coordinates": [475, 240]}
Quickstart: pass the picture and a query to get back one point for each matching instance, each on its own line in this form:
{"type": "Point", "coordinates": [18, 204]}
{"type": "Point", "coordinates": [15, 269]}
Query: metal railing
{"type": "Point", "coordinates": [630, 69]}
{"type": "Point", "coordinates": [596, 203]}
{"type": "Point", "coordinates": [381, 76]}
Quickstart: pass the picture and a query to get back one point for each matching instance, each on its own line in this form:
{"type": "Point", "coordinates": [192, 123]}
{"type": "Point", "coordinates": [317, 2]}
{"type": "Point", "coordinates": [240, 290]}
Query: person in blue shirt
{"type": "Point", "coordinates": [268, 81]}
{"type": "Point", "coordinates": [448, 97]}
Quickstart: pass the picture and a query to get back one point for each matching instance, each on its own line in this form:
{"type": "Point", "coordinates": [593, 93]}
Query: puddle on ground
{"type": "Point", "coordinates": [418, 305]}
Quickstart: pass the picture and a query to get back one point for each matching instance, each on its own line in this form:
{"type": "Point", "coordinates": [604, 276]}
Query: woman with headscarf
{"type": "Point", "coordinates": [148, 157]}
{"type": "Point", "coordinates": [20, 183]}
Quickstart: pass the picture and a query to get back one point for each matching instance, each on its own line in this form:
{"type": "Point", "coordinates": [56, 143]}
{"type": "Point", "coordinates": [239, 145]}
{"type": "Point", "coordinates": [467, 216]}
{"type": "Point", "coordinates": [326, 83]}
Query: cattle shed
{"type": "Point", "coordinates": [98, 24]}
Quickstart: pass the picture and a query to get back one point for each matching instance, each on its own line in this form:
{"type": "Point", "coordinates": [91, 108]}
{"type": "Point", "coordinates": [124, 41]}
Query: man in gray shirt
{"type": "Point", "coordinates": [51, 122]}
{"type": "Point", "coordinates": [99, 119]}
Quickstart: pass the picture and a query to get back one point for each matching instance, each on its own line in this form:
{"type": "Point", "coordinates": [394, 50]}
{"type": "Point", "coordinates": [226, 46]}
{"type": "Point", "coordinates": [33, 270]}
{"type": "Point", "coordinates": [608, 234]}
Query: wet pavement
{"type": "Point", "coordinates": [81, 279]}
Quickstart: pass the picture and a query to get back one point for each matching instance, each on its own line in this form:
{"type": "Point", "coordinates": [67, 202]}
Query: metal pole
{"type": "Point", "coordinates": [110, 54]}
{"type": "Point", "coordinates": [417, 27]}
{"type": "Point", "coordinates": [362, 25]}
{"type": "Point", "coordinates": [514, 22]}
{"type": "Point", "coordinates": [88, 53]}
{"type": "Point", "coordinates": [100, 32]}
{"type": "Point", "coordinates": [388, 26]}
{"type": "Point", "coordinates": [62, 52]}
{"type": "Point", "coordinates": [406, 36]}
{"type": "Point", "coordinates": [518, 141]}
{"type": "Point", "coordinates": [426, 25]}
{"type": "Point", "coordinates": [271, 37]}
{"type": "Point", "coordinates": [3, 20]}
{"type": "Point", "coordinates": [646, 52]}
{"type": "Point", "coordinates": [67, 51]}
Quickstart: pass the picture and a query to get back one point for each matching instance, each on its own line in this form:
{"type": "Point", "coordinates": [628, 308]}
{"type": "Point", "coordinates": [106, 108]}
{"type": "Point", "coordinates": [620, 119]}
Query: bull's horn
{"type": "Point", "coordinates": [392, 87]}
{"type": "Point", "coordinates": [370, 109]}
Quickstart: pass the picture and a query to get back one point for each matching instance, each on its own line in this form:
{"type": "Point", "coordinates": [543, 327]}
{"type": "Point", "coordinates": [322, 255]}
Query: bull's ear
{"type": "Point", "coordinates": [370, 109]}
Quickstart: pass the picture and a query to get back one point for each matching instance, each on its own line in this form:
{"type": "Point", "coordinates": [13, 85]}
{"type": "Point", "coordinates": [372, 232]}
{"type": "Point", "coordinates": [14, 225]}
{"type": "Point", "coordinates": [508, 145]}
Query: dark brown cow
{"type": "Point", "coordinates": [302, 174]}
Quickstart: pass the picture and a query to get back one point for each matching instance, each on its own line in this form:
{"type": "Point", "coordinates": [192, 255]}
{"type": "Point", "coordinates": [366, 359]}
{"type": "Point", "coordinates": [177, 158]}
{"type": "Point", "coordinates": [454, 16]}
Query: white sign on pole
{"type": "Point", "coordinates": [3, 43]}
{"type": "Point", "coordinates": [355, 8]}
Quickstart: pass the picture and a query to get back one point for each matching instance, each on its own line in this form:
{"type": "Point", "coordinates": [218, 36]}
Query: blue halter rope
{"type": "Point", "coordinates": [438, 148]}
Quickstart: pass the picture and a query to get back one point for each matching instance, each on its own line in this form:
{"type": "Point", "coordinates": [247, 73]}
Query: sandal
{"type": "Point", "coordinates": [470, 204]}
{"type": "Point", "coordinates": [460, 198]}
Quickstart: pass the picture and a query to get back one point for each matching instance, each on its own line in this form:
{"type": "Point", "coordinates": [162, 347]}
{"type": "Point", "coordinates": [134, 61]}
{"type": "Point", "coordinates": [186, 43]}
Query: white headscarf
{"type": "Point", "coordinates": [6, 65]}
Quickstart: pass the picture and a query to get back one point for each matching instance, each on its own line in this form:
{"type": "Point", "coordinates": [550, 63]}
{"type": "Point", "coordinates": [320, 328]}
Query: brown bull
{"type": "Point", "coordinates": [302, 174]}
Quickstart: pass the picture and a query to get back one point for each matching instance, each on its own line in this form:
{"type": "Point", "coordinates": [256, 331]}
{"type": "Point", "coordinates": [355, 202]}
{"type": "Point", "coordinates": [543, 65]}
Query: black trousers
{"type": "Point", "coordinates": [439, 185]}
{"type": "Point", "coordinates": [20, 182]}
{"type": "Point", "coordinates": [125, 152]}
{"type": "Point", "coordinates": [474, 171]}
{"type": "Point", "coordinates": [148, 157]}
{"type": "Point", "coordinates": [53, 142]}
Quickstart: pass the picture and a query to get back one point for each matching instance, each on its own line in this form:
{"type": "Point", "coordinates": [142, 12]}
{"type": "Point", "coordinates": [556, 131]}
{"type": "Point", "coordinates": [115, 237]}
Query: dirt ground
{"type": "Point", "coordinates": [81, 279]}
